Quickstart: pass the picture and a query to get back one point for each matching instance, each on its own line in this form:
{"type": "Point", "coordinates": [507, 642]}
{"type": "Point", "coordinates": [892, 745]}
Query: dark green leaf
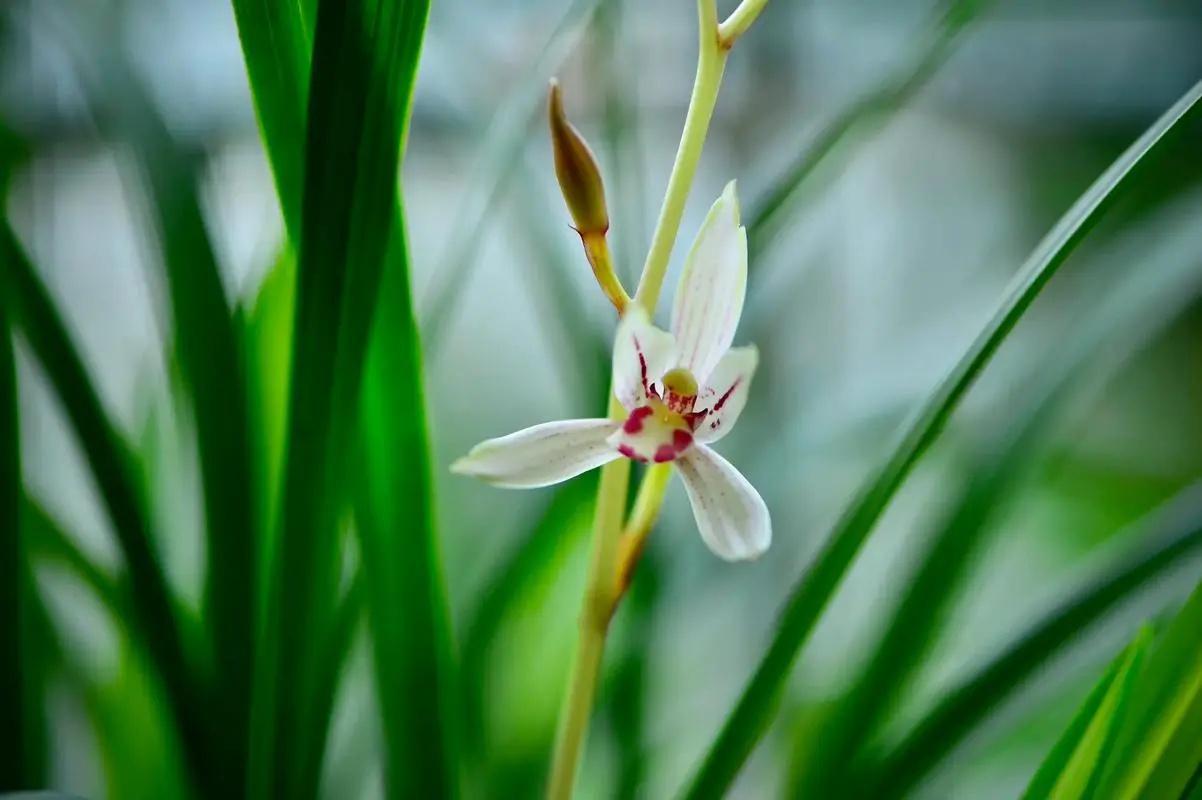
{"type": "Point", "coordinates": [277, 46]}
{"type": "Point", "coordinates": [13, 759]}
{"type": "Point", "coordinates": [755, 709]}
{"type": "Point", "coordinates": [364, 60]}
{"type": "Point", "coordinates": [111, 464]}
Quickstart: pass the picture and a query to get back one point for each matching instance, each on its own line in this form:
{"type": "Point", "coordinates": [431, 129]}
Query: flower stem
{"type": "Point", "coordinates": [594, 623]}
{"type": "Point", "coordinates": [646, 510]}
{"type": "Point", "coordinates": [711, 63]}
{"type": "Point", "coordinates": [602, 591]}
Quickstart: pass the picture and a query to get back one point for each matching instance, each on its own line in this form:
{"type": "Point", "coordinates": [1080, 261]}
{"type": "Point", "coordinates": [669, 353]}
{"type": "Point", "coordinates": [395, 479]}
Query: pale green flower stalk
{"type": "Point", "coordinates": [673, 393]}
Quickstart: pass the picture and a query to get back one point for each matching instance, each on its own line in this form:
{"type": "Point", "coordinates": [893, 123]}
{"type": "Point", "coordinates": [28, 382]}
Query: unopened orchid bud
{"type": "Point", "coordinates": [576, 169]}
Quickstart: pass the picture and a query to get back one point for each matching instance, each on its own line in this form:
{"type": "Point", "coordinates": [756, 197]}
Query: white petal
{"type": "Point", "coordinates": [730, 513]}
{"type": "Point", "coordinates": [726, 393]}
{"type": "Point", "coordinates": [650, 436]}
{"type": "Point", "coordinates": [642, 354]}
{"type": "Point", "coordinates": [709, 299]}
{"type": "Point", "coordinates": [541, 455]}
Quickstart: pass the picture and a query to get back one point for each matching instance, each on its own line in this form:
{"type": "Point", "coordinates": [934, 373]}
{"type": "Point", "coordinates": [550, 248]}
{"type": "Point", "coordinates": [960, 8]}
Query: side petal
{"type": "Point", "coordinates": [730, 513]}
{"type": "Point", "coordinates": [541, 455]}
{"type": "Point", "coordinates": [642, 354]}
{"type": "Point", "coordinates": [709, 299]}
{"type": "Point", "coordinates": [726, 393]}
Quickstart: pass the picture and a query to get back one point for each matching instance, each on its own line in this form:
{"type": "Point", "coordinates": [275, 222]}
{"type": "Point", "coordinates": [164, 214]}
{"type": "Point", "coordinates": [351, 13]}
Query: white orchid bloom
{"type": "Point", "coordinates": [682, 390]}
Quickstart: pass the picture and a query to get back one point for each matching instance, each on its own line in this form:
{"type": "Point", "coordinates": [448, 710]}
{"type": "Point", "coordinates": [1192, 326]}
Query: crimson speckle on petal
{"type": "Point", "coordinates": [666, 452]}
{"type": "Point", "coordinates": [634, 423]}
{"type": "Point", "coordinates": [681, 440]}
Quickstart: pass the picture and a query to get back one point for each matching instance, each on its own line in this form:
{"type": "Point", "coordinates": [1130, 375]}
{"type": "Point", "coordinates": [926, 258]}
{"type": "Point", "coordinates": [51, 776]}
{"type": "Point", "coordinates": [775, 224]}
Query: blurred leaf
{"type": "Point", "coordinates": [1164, 538]}
{"type": "Point", "coordinates": [755, 709]}
{"type": "Point", "coordinates": [14, 761]}
{"type": "Point", "coordinates": [772, 211]}
{"type": "Point", "coordinates": [501, 159]}
{"type": "Point", "coordinates": [1160, 745]}
{"type": "Point", "coordinates": [524, 567]}
{"type": "Point", "coordinates": [277, 48]}
{"type": "Point", "coordinates": [211, 364]}
{"type": "Point", "coordinates": [112, 467]}
{"type": "Point", "coordinates": [401, 564]}
{"type": "Point", "coordinates": [267, 337]}
{"type": "Point", "coordinates": [1072, 769]}
{"type": "Point", "coordinates": [364, 59]}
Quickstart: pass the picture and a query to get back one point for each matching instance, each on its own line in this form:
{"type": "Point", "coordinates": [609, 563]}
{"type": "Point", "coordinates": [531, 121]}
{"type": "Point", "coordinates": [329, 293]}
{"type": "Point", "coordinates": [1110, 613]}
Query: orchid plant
{"type": "Point", "coordinates": [673, 393]}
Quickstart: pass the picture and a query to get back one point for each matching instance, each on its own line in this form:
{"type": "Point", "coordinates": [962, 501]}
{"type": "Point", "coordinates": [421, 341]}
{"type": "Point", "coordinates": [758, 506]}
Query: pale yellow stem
{"type": "Point", "coordinates": [646, 510]}
{"type": "Point", "coordinates": [738, 22]}
{"type": "Point", "coordinates": [602, 591]}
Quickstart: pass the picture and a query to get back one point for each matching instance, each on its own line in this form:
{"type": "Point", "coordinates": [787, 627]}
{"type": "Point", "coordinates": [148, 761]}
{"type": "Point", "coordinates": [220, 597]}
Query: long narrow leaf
{"type": "Point", "coordinates": [1077, 777]}
{"type": "Point", "coordinates": [401, 562]}
{"type": "Point", "coordinates": [109, 461]}
{"type": "Point", "coordinates": [1057, 759]}
{"type": "Point", "coordinates": [13, 775]}
{"type": "Point", "coordinates": [211, 359]}
{"type": "Point", "coordinates": [1167, 535]}
{"type": "Point", "coordinates": [277, 44]}
{"type": "Point", "coordinates": [751, 716]}
{"type": "Point", "coordinates": [364, 56]}
{"type": "Point", "coordinates": [1162, 742]}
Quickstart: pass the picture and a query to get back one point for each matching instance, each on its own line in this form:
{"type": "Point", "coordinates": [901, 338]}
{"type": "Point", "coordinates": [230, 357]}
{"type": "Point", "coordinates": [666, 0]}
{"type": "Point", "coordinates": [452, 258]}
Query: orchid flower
{"type": "Point", "coordinates": [682, 392]}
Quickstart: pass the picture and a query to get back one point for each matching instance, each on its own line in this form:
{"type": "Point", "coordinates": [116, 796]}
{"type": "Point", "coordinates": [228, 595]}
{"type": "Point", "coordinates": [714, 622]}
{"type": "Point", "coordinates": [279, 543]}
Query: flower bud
{"type": "Point", "coordinates": [576, 169]}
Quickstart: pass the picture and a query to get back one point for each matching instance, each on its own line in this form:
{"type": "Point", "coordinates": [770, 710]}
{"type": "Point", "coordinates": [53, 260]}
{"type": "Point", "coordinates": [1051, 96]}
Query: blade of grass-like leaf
{"type": "Point", "coordinates": [769, 213]}
{"type": "Point", "coordinates": [267, 337]}
{"type": "Point", "coordinates": [109, 461]}
{"type": "Point", "coordinates": [1085, 753]}
{"type": "Point", "coordinates": [750, 718]}
{"type": "Point", "coordinates": [210, 357]}
{"type": "Point", "coordinates": [364, 59]}
{"type": "Point", "coordinates": [1166, 536]}
{"type": "Point", "coordinates": [13, 762]}
{"type": "Point", "coordinates": [401, 564]}
{"type": "Point", "coordinates": [1057, 759]}
{"type": "Point", "coordinates": [504, 141]}
{"type": "Point", "coordinates": [277, 45]}
{"type": "Point", "coordinates": [1161, 743]}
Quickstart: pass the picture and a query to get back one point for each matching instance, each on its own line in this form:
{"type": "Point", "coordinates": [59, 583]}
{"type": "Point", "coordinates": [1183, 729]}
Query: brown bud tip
{"type": "Point", "coordinates": [576, 169]}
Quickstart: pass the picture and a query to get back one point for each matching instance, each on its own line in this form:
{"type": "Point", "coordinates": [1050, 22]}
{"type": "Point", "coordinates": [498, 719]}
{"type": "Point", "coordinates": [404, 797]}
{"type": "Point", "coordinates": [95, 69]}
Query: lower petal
{"type": "Point", "coordinates": [731, 515]}
{"type": "Point", "coordinates": [541, 455]}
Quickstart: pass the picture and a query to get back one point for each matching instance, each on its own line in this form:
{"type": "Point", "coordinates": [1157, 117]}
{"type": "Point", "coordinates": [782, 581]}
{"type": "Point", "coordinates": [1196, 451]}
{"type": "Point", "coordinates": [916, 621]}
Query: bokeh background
{"type": "Point", "coordinates": [960, 150]}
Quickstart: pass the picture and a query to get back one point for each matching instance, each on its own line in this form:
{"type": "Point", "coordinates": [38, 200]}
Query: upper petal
{"type": "Point", "coordinates": [730, 513]}
{"type": "Point", "coordinates": [725, 393]}
{"type": "Point", "coordinates": [541, 455]}
{"type": "Point", "coordinates": [709, 299]}
{"type": "Point", "coordinates": [642, 354]}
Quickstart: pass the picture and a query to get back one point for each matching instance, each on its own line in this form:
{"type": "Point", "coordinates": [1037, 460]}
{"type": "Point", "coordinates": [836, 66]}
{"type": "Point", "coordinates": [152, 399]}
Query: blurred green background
{"type": "Point", "coordinates": [954, 147]}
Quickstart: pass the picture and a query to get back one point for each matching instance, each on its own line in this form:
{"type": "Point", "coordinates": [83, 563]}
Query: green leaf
{"type": "Point", "coordinates": [212, 366]}
{"type": "Point", "coordinates": [13, 759]}
{"type": "Point", "coordinates": [1161, 744]}
{"type": "Point", "coordinates": [756, 707]}
{"type": "Point", "coordinates": [1072, 769]}
{"type": "Point", "coordinates": [1163, 539]}
{"type": "Point", "coordinates": [267, 338]}
{"type": "Point", "coordinates": [364, 60]}
{"type": "Point", "coordinates": [113, 469]}
{"type": "Point", "coordinates": [528, 565]}
{"type": "Point", "coordinates": [277, 45]}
